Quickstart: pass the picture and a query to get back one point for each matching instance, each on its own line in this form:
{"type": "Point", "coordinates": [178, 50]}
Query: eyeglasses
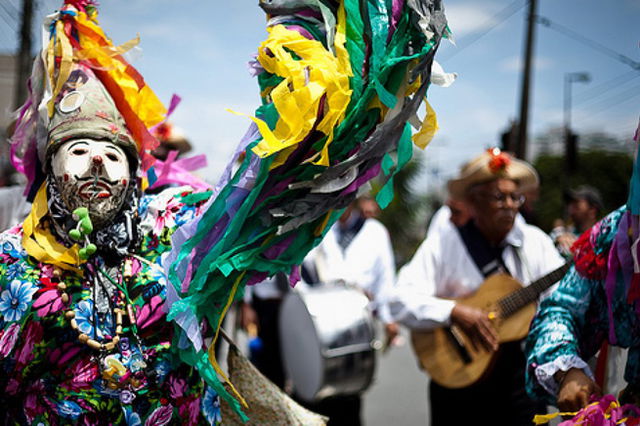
{"type": "Point", "coordinates": [500, 199]}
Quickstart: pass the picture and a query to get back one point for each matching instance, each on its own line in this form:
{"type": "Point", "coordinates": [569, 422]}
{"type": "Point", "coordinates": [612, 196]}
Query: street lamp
{"type": "Point", "coordinates": [571, 148]}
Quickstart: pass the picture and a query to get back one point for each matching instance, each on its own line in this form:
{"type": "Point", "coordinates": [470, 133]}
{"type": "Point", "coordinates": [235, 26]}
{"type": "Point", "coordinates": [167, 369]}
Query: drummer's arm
{"type": "Point", "coordinates": [248, 315]}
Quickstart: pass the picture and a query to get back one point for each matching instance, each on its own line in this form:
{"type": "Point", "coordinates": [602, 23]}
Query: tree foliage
{"type": "Point", "coordinates": [607, 170]}
{"type": "Point", "coordinates": [406, 217]}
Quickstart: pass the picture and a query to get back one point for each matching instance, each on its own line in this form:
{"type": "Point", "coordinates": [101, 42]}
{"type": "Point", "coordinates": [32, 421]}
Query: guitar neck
{"type": "Point", "coordinates": [522, 297]}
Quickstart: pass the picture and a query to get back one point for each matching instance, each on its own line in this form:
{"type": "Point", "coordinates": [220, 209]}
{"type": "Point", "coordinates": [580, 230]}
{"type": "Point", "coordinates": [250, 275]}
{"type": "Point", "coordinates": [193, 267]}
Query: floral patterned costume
{"type": "Point", "coordinates": [48, 377]}
{"type": "Point", "coordinates": [589, 306]}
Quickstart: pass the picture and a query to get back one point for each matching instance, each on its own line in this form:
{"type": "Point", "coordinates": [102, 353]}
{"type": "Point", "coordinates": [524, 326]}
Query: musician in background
{"type": "Point", "coordinates": [368, 207]}
{"type": "Point", "coordinates": [357, 251]}
{"type": "Point", "coordinates": [584, 208]}
{"type": "Point", "coordinates": [454, 264]}
{"type": "Point", "coordinates": [171, 138]}
{"type": "Point", "coordinates": [260, 313]}
{"type": "Point", "coordinates": [14, 207]}
{"type": "Point", "coordinates": [454, 212]}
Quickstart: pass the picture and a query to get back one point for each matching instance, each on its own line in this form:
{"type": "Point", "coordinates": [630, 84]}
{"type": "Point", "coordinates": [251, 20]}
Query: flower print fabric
{"type": "Point", "coordinates": [48, 299]}
{"type": "Point", "coordinates": [15, 300]}
{"type": "Point", "coordinates": [48, 377]}
{"type": "Point", "coordinates": [211, 406]}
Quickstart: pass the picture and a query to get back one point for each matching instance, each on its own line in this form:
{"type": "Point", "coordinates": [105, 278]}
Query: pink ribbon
{"type": "Point", "coordinates": [174, 171]}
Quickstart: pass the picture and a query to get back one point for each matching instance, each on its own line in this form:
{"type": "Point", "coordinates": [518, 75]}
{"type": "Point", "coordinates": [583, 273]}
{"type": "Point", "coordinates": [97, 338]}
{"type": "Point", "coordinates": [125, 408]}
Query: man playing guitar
{"type": "Point", "coordinates": [454, 263]}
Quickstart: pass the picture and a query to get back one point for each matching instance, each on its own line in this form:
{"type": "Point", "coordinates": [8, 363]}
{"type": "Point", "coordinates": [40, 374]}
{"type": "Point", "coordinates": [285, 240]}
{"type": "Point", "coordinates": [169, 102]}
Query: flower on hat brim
{"type": "Point", "coordinates": [499, 161]}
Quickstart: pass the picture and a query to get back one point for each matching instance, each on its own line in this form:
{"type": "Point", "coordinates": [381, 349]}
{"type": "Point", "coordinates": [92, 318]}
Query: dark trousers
{"type": "Point", "coordinates": [498, 400]}
{"type": "Point", "coordinates": [341, 410]}
{"type": "Point", "coordinates": [269, 358]}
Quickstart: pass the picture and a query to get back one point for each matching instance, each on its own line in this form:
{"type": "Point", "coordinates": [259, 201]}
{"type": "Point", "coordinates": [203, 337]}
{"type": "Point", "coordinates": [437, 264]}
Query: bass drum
{"type": "Point", "coordinates": [327, 337]}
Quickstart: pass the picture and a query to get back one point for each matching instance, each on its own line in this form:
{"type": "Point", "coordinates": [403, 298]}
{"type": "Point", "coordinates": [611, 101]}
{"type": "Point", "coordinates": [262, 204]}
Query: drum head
{"type": "Point", "coordinates": [301, 349]}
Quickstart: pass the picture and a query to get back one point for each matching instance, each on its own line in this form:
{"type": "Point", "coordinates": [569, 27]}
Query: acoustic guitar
{"type": "Point", "coordinates": [448, 355]}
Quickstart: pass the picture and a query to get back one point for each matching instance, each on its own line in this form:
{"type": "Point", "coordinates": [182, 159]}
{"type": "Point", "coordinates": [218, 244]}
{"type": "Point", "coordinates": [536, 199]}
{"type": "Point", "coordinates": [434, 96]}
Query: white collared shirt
{"type": "Point", "coordinates": [442, 269]}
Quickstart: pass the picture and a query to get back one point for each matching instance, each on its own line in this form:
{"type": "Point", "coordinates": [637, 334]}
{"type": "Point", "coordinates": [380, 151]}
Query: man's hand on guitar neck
{"type": "Point", "coordinates": [477, 325]}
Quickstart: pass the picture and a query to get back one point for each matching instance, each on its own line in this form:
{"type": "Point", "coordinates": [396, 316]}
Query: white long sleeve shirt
{"type": "Point", "coordinates": [442, 269]}
{"type": "Point", "coordinates": [366, 263]}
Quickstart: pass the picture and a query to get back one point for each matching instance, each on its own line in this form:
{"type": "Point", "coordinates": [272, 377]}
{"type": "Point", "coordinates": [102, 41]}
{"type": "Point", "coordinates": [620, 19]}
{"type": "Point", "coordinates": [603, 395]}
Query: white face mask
{"type": "Point", "coordinates": [92, 174]}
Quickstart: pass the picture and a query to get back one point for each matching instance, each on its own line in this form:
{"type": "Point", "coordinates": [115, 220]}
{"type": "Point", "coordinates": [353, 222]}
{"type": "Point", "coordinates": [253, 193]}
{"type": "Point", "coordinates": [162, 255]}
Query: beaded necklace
{"type": "Point", "coordinates": [123, 307]}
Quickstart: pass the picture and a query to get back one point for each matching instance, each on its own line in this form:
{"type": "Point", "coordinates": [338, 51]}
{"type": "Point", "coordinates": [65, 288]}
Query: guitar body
{"type": "Point", "coordinates": [439, 355]}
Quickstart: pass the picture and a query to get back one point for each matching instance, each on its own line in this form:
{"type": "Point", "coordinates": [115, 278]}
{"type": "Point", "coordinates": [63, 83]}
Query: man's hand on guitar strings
{"type": "Point", "coordinates": [477, 326]}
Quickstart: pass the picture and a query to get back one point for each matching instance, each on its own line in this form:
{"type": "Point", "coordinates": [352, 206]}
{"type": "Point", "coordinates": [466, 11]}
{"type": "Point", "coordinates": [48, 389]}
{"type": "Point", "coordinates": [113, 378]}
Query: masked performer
{"type": "Point", "coordinates": [105, 294]}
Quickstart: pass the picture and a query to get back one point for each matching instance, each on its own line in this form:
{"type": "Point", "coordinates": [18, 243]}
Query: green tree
{"type": "Point", "coordinates": [406, 216]}
{"type": "Point", "coordinates": [607, 170]}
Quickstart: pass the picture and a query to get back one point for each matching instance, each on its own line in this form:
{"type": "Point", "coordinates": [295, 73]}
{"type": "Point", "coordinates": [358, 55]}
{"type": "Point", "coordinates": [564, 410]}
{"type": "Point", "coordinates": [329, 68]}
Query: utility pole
{"type": "Point", "coordinates": [570, 138]}
{"type": "Point", "coordinates": [521, 148]}
{"type": "Point", "coordinates": [24, 59]}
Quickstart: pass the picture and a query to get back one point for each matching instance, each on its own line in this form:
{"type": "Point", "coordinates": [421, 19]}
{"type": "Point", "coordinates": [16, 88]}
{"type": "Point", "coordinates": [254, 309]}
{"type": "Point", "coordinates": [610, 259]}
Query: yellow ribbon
{"type": "Point", "coordinates": [310, 73]}
{"type": "Point", "coordinates": [543, 419]}
{"type": "Point", "coordinates": [212, 349]}
{"type": "Point", "coordinates": [109, 50]}
{"type": "Point", "coordinates": [41, 244]}
{"type": "Point", "coordinates": [322, 225]}
{"type": "Point", "coordinates": [428, 128]}
{"type": "Point", "coordinates": [97, 47]}
{"type": "Point", "coordinates": [60, 47]}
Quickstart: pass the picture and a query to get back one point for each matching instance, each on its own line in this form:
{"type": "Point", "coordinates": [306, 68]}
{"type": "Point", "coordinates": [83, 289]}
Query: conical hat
{"type": "Point", "coordinates": [80, 79]}
{"type": "Point", "coordinates": [84, 109]}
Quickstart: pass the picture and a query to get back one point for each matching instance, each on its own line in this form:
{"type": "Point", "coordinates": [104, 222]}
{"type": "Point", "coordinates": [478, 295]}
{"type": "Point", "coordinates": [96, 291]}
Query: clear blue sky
{"type": "Point", "coordinates": [199, 50]}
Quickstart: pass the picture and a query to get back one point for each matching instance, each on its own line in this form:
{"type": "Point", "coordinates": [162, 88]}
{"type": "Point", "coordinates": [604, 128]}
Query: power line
{"type": "Point", "coordinates": [12, 14]}
{"type": "Point", "coordinates": [499, 17]}
{"type": "Point", "coordinates": [598, 90]}
{"type": "Point", "coordinates": [14, 10]}
{"type": "Point", "coordinates": [7, 40]}
{"type": "Point", "coordinates": [587, 41]}
{"type": "Point", "coordinates": [8, 20]}
{"type": "Point", "coordinates": [615, 98]}
{"type": "Point", "coordinates": [616, 102]}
